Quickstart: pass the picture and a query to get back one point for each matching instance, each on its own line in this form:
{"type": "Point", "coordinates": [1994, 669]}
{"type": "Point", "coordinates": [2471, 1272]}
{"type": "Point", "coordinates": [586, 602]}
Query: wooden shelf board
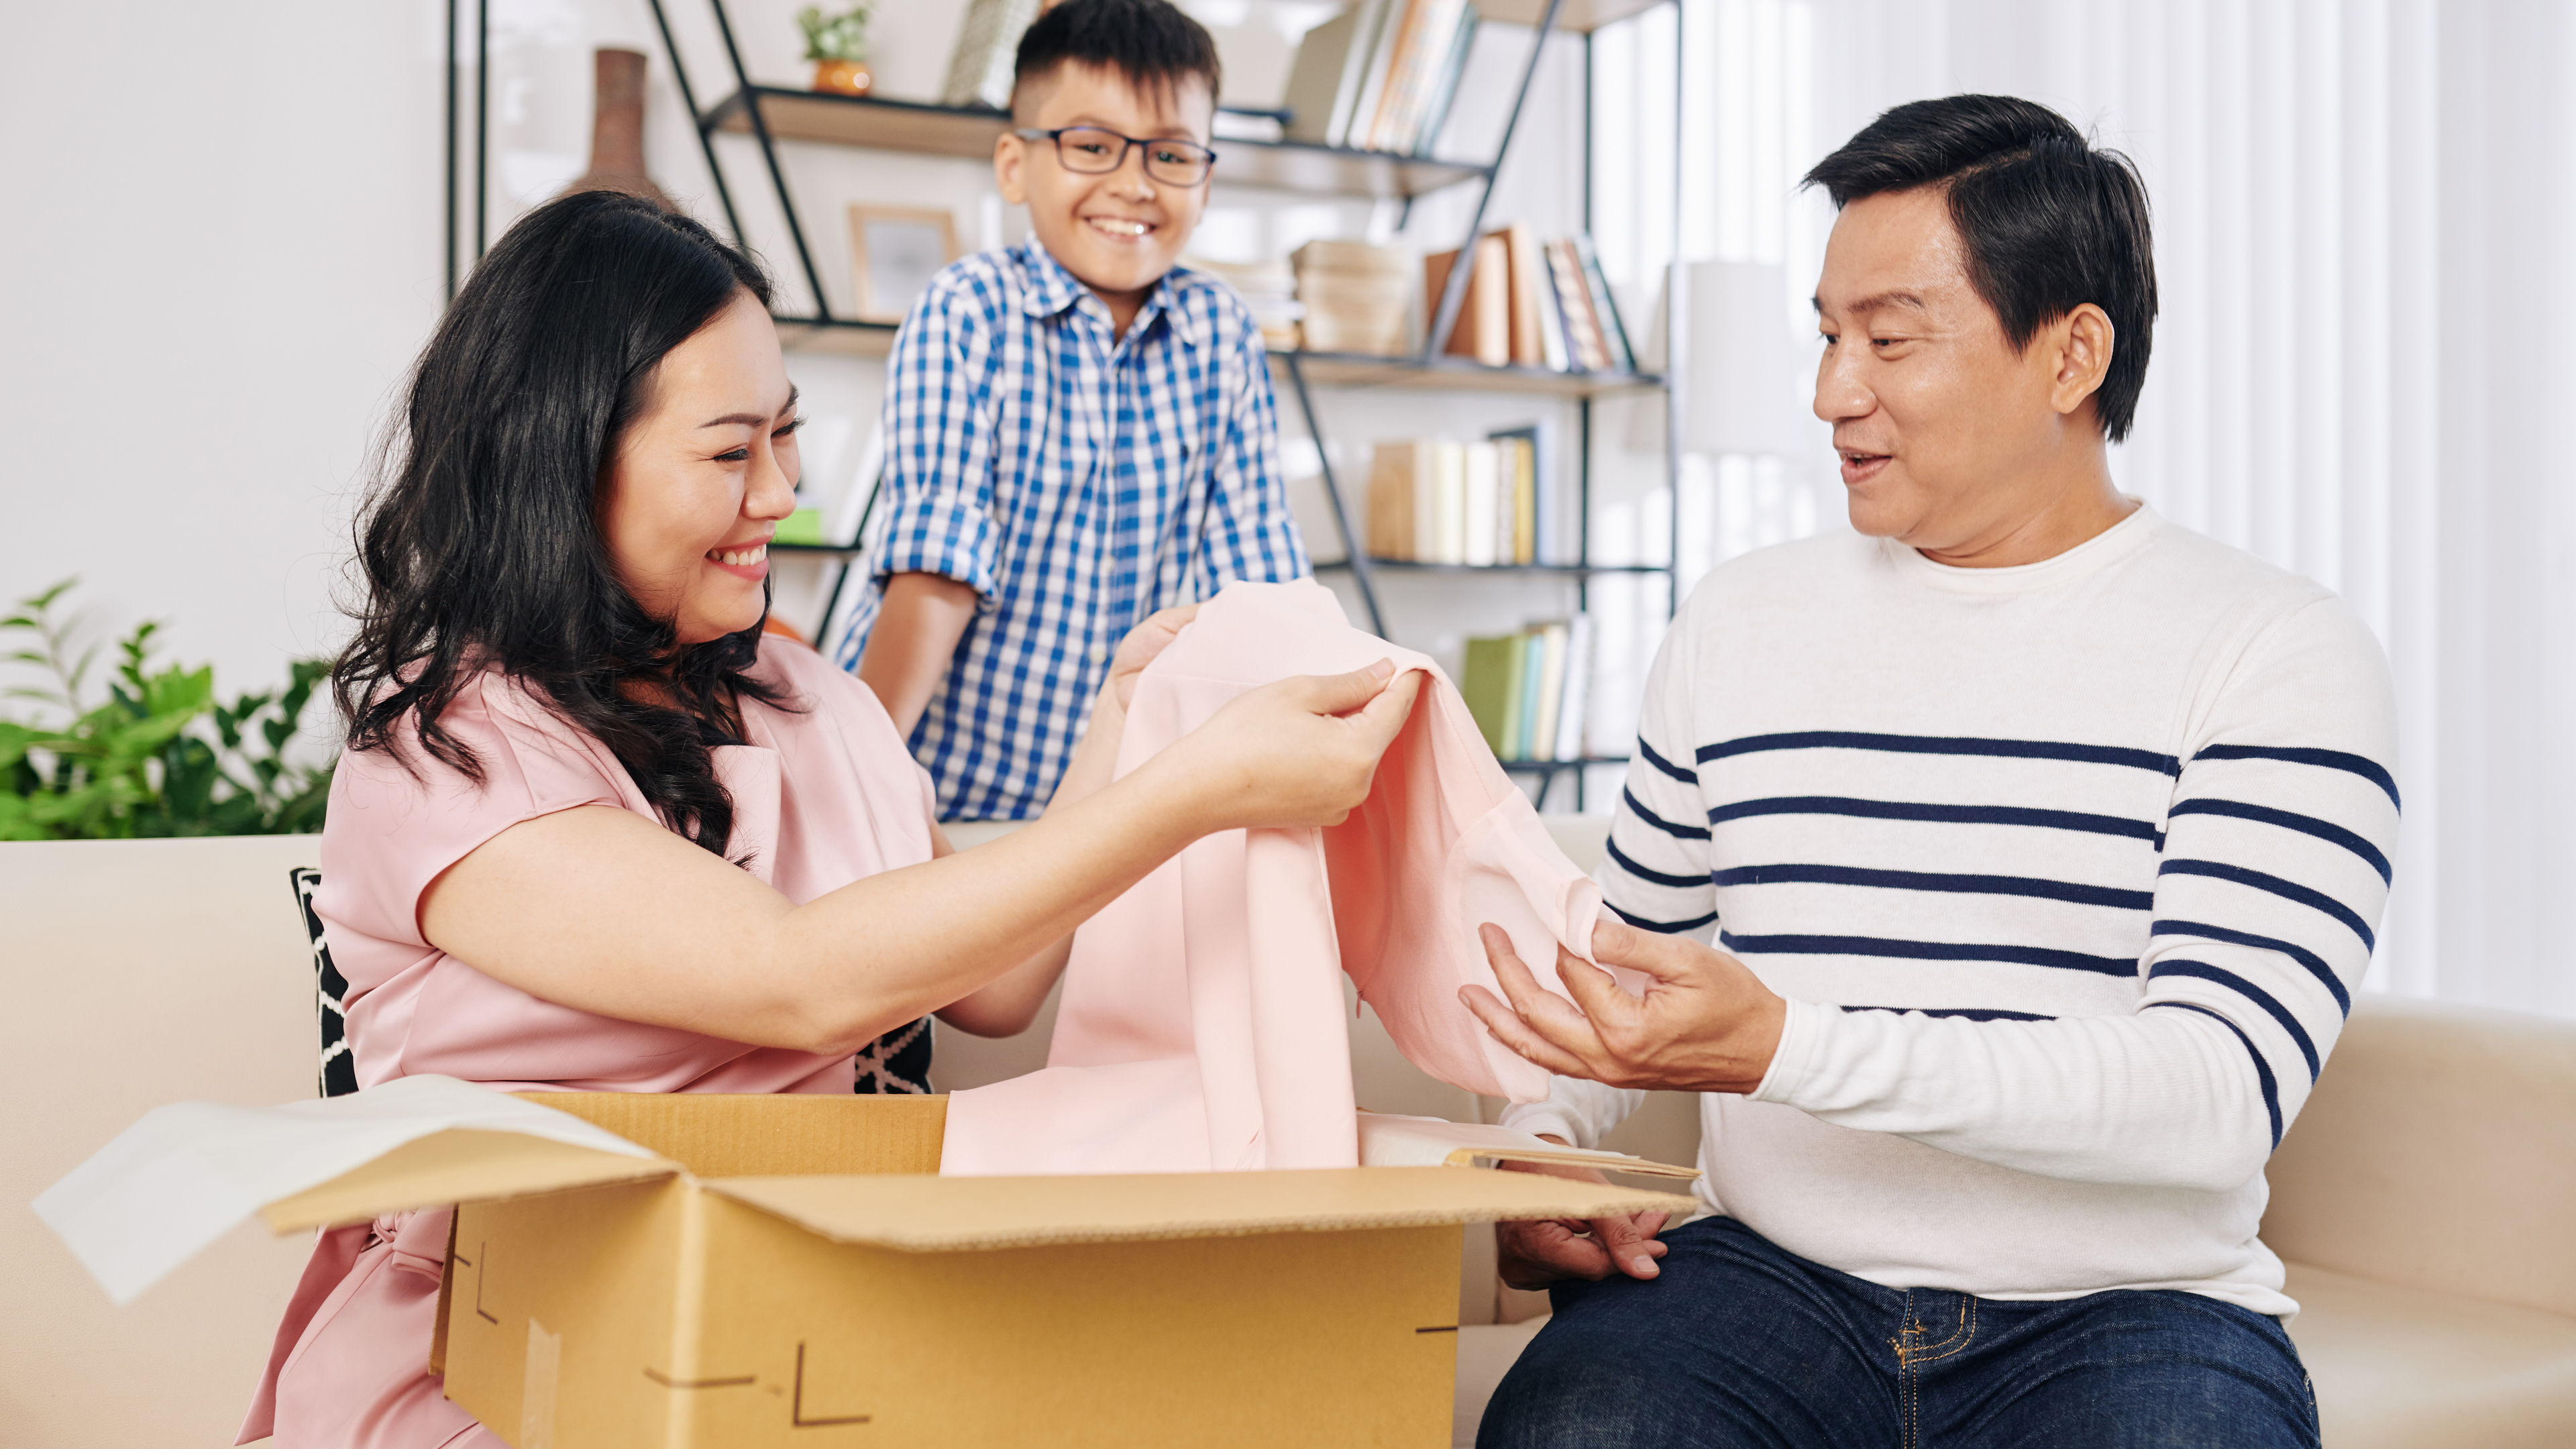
{"type": "Point", "coordinates": [838, 337]}
{"type": "Point", "coordinates": [1338, 369]}
{"type": "Point", "coordinates": [1573, 15]}
{"type": "Point", "coordinates": [949, 131]}
{"type": "Point", "coordinates": [1415, 566]}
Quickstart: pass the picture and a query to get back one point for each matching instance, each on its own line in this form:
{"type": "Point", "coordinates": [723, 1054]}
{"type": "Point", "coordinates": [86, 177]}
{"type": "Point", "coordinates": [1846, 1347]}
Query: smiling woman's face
{"type": "Point", "coordinates": [703, 475]}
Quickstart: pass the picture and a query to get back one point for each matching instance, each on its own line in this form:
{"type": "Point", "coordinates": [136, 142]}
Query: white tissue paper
{"type": "Point", "coordinates": [182, 1176]}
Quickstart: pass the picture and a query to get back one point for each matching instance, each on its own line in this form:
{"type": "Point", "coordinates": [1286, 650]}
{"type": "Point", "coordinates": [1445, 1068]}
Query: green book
{"type": "Point", "coordinates": [1533, 674]}
{"type": "Point", "coordinates": [1490, 682]}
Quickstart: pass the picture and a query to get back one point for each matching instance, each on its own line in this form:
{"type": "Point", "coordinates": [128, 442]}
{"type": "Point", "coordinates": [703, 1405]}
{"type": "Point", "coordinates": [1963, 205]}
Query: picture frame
{"type": "Point", "coordinates": [894, 252]}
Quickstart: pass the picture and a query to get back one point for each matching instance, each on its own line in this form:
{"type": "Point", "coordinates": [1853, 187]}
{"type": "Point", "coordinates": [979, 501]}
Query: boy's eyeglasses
{"type": "Point", "coordinates": [1097, 151]}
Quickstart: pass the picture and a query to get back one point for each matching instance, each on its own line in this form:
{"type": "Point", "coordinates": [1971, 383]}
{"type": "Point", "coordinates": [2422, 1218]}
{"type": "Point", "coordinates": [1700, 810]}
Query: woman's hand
{"type": "Point", "coordinates": [1299, 751]}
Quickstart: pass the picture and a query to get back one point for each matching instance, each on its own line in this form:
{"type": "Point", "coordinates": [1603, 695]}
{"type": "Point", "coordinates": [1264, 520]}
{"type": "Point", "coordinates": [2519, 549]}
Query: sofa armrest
{"type": "Point", "coordinates": [2438, 1152]}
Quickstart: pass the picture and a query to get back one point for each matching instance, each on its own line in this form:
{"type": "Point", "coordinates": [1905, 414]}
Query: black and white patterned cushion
{"type": "Point", "coordinates": [339, 1071]}
{"type": "Point", "coordinates": [897, 1062]}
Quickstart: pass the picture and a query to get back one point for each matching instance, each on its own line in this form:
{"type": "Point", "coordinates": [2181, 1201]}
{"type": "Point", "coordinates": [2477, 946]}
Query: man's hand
{"type": "Point", "coordinates": [1535, 1254]}
{"type": "Point", "coordinates": [1705, 1023]}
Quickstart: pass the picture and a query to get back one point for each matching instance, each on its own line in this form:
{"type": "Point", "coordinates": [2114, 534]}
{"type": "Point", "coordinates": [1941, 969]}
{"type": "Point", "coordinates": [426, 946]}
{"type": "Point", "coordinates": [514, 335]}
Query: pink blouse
{"type": "Point", "coordinates": [824, 793]}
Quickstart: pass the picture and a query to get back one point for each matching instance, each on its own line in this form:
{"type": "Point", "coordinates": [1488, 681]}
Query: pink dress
{"type": "Point", "coordinates": [822, 796]}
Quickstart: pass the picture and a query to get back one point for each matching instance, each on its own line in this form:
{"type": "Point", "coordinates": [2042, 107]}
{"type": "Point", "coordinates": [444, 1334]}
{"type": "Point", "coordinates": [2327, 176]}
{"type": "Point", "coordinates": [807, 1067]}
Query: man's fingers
{"type": "Point", "coordinates": [1665, 958]}
{"type": "Point", "coordinates": [1593, 989]}
{"type": "Point", "coordinates": [1550, 1015]}
{"type": "Point", "coordinates": [1621, 1238]}
{"type": "Point", "coordinates": [1558, 1249]}
{"type": "Point", "coordinates": [1509, 1029]}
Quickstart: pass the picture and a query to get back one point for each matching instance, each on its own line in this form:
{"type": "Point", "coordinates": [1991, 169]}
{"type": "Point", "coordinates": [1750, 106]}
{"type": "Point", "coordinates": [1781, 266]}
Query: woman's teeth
{"type": "Point", "coordinates": [739, 557]}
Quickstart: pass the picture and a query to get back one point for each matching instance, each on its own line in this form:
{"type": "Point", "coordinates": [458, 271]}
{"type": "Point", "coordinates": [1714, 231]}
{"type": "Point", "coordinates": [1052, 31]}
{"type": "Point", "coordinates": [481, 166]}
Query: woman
{"type": "Point", "coordinates": [679, 855]}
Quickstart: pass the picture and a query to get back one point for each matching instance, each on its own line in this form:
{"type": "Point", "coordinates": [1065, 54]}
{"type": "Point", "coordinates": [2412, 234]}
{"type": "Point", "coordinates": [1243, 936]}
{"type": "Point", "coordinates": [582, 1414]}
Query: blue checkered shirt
{"type": "Point", "coordinates": [1078, 481]}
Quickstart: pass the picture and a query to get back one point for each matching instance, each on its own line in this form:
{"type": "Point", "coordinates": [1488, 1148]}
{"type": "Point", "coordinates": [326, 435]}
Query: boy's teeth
{"type": "Point", "coordinates": [1119, 228]}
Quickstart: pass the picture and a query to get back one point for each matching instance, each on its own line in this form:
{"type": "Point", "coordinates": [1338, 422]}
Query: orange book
{"type": "Point", "coordinates": [1484, 327]}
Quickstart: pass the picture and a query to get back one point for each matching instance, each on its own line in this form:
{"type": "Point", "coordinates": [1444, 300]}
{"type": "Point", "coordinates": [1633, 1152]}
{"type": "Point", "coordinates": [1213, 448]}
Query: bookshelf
{"type": "Point", "coordinates": [775, 115]}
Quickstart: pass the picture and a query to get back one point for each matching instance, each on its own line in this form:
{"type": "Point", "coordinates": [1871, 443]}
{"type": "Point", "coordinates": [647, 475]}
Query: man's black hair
{"type": "Point", "coordinates": [2050, 222]}
{"type": "Point", "coordinates": [1150, 42]}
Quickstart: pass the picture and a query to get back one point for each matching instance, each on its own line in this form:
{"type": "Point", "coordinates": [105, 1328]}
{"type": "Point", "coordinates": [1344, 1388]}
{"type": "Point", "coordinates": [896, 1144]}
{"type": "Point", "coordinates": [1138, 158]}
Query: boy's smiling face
{"type": "Point", "coordinates": [1120, 231]}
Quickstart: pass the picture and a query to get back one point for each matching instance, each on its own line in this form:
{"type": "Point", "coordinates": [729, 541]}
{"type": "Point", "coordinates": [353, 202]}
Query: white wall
{"type": "Point", "coordinates": [221, 250]}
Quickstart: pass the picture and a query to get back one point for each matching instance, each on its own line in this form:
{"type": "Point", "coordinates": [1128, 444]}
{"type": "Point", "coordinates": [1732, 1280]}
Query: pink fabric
{"type": "Point", "coordinates": [824, 794]}
{"type": "Point", "coordinates": [1201, 1025]}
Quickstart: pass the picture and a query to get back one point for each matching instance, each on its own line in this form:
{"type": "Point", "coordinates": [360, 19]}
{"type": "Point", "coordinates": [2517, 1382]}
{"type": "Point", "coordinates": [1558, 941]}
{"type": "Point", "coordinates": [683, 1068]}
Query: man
{"type": "Point", "coordinates": [1079, 432]}
{"type": "Point", "coordinates": [2042, 843]}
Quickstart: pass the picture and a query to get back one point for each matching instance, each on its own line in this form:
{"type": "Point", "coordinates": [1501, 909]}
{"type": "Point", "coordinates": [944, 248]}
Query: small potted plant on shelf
{"type": "Point", "coordinates": [838, 46]}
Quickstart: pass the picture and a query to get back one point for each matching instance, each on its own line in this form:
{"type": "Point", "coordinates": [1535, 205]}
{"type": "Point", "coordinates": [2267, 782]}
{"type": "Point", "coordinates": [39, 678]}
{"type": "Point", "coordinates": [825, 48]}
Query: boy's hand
{"type": "Point", "coordinates": [1140, 646]}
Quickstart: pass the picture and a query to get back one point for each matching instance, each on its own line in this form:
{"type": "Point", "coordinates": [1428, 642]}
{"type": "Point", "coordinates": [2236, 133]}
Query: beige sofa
{"type": "Point", "coordinates": [2424, 1199]}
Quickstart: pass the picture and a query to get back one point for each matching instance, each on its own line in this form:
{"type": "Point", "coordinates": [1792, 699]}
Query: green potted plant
{"type": "Point", "coordinates": [160, 756]}
{"type": "Point", "coordinates": [838, 46]}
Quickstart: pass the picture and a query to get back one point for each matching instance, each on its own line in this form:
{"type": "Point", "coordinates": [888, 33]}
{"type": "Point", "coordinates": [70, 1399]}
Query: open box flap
{"type": "Point", "coordinates": [934, 1214]}
{"type": "Point", "coordinates": [1389, 1140]}
{"type": "Point", "coordinates": [183, 1175]}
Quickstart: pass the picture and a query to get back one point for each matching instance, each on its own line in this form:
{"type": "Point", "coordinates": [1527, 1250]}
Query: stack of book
{"type": "Point", "coordinates": [1355, 297]}
{"type": "Point", "coordinates": [1268, 288]}
{"type": "Point", "coordinates": [1527, 690]}
{"type": "Point", "coordinates": [1435, 500]}
{"type": "Point", "coordinates": [1380, 75]}
{"type": "Point", "coordinates": [1531, 303]}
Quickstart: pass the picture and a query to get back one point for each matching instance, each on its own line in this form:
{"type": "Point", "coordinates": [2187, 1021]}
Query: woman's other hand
{"type": "Point", "coordinates": [1141, 645]}
{"type": "Point", "coordinates": [1298, 751]}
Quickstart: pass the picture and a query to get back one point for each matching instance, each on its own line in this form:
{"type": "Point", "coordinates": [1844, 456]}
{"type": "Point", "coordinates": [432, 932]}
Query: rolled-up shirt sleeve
{"type": "Point", "coordinates": [936, 513]}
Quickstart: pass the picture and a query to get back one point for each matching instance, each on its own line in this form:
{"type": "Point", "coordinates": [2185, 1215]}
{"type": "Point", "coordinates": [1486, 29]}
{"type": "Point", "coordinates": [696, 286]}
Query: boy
{"type": "Point", "coordinates": [1077, 432]}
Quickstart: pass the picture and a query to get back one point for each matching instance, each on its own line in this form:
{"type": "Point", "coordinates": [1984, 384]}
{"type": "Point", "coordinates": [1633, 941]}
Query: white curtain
{"type": "Point", "coordinates": [2365, 241]}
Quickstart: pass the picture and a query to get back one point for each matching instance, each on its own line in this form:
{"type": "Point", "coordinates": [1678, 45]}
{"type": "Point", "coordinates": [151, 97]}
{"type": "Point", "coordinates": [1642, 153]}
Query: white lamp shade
{"type": "Point", "coordinates": [1745, 383]}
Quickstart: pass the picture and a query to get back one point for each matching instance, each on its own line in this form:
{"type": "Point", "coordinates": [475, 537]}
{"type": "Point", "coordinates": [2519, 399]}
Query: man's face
{"type": "Point", "coordinates": [1120, 231]}
{"type": "Point", "coordinates": [1942, 428]}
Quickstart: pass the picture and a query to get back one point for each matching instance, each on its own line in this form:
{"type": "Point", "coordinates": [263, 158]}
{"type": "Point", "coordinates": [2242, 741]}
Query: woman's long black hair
{"type": "Point", "coordinates": [481, 545]}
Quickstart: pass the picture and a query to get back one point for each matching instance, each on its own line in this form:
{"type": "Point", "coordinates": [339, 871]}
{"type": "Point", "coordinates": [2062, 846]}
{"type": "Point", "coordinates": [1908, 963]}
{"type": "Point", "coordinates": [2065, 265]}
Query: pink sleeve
{"type": "Point", "coordinates": [391, 830]}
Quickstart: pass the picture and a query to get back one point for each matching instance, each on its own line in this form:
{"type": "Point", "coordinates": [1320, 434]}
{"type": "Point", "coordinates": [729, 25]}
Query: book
{"type": "Point", "coordinates": [1605, 307]}
{"type": "Point", "coordinates": [1483, 326]}
{"type": "Point", "coordinates": [1574, 299]}
{"type": "Point", "coordinates": [1524, 477]}
{"type": "Point", "coordinates": [1355, 297]}
{"type": "Point", "coordinates": [1489, 680]}
{"type": "Point", "coordinates": [1483, 493]}
{"type": "Point", "coordinates": [1449, 506]}
{"type": "Point", "coordinates": [1331, 66]}
{"type": "Point", "coordinates": [1444, 86]}
{"type": "Point", "coordinates": [1570, 720]}
{"type": "Point", "coordinates": [1529, 346]}
{"type": "Point", "coordinates": [1397, 473]}
{"type": "Point", "coordinates": [1553, 682]}
{"type": "Point", "coordinates": [988, 44]}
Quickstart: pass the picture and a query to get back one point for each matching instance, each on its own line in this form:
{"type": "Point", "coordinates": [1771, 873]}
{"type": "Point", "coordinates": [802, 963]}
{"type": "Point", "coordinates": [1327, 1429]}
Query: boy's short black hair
{"type": "Point", "coordinates": [1150, 42]}
{"type": "Point", "coordinates": [2050, 222]}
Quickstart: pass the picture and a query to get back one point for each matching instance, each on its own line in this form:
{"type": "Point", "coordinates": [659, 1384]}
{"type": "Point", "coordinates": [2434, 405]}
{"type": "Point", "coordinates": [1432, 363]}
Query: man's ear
{"type": "Point", "coordinates": [2084, 340]}
{"type": "Point", "coordinates": [1010, 162]}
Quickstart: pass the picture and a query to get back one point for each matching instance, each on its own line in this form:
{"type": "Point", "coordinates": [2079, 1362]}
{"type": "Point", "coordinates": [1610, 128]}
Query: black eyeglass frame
{"type": "Point", "coordinates": [1128, 143]}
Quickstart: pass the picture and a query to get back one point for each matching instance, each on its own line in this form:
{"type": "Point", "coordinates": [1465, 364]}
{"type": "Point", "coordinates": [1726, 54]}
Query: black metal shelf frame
{"type": "Point", "coordinates": [747, 108]}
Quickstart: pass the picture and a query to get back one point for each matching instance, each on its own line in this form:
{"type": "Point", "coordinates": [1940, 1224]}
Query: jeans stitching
{"type": "Point", "coordinates": [1963, 1335]}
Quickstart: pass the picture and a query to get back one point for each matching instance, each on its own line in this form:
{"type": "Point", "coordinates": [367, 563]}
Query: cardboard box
{"type": "Point", "coordinates": [786, 1270]}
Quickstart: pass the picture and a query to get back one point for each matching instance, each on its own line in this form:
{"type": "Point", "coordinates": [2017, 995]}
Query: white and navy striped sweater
{"type": "Point", "coordinates": [2068, 872]}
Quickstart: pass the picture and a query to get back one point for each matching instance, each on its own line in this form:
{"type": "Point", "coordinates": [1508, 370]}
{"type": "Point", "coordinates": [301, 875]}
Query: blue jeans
{"type": "Point", "coordinates": [1738, 1342]}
